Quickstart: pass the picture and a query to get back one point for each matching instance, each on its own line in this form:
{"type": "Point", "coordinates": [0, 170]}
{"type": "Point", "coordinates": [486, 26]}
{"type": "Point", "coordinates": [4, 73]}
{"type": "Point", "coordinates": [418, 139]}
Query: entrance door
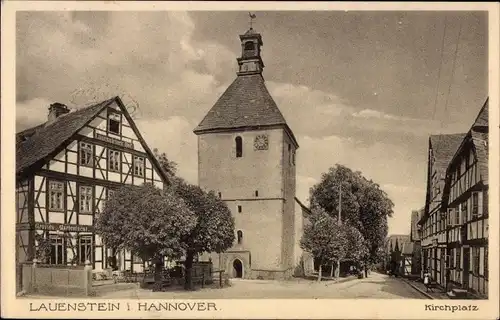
{"type": "Point", "coordinates": [237, 269]}
{"type": "Point", "coordinates": [442, 267]}
{"type": "Point", "coordinates": [466, 268]}
{"type": "Point", "coordinates": [434, 264]}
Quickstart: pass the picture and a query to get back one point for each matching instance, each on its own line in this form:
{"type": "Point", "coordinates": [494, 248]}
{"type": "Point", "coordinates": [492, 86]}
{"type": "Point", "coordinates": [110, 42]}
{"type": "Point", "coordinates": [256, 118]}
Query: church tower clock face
{"type": "Point", "coordinates": [261, 142]}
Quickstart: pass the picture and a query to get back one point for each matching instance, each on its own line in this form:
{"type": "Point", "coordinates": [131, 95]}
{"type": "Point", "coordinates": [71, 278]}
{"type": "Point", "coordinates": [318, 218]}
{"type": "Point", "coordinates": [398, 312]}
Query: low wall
{"type": "Point", "coordinates": [56, 280]}
{"type": "Point", "coordinates": [271, 274]}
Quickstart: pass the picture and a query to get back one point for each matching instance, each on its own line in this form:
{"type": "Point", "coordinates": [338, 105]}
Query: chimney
{"type": "Point", "coordinates": [56, 110]}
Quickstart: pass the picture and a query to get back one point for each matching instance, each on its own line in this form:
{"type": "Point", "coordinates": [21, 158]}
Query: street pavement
{"type": "Point", "coordinates": [376, 286]}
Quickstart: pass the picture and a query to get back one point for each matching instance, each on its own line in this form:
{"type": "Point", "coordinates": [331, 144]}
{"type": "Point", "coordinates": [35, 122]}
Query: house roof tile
{"type": "Point", "coordinates": [482, 117]}
{"type": "Point", "coordinates": [480, 140]}
{"type": "Point", "coordinates": [34, 144]}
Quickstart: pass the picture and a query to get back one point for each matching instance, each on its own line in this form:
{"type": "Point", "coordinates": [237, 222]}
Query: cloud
{"type": "Point", "coordinates": [309, 111]}
{"type": "Point", "coordinates": [406, 199]}
{"type": "Point", "coordinates": [368, 113]}
{"type": "Point", "coordinates": [304, 184]}
{"type": "Point", "coordinates": [173, 136]}
{"type": "Point", "coordinates": [152, 60]}
{"type": "Point", "coordinates": [376, 121]}
{"type": "Point", "coordinates": [155, 70]}
{"type": "Point", "coordinates": [389, 165]}
{"type": "Point", "coordinates": [31, 113]}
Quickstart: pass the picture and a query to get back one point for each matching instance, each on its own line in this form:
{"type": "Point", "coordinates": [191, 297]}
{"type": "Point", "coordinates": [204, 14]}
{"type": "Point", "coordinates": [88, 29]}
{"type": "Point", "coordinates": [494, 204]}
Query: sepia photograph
{"type": "Point", "coordinates": [176, 157]}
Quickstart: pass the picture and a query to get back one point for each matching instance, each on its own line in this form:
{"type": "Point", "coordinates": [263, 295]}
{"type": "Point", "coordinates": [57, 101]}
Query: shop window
{"type": "Point", "coordinates": [57, 252]}
{"type": "Point", "coordinates": [84, 249]}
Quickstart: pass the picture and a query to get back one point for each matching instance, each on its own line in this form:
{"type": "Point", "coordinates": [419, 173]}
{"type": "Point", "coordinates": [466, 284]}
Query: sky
{"type": "Point", "coordinates": [362, 89]}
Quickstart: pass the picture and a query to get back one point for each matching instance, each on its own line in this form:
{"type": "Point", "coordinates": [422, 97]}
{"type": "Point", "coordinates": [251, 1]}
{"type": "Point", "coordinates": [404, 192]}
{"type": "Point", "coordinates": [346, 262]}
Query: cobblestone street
{"type": "Point", "coordinates": [376, 286]}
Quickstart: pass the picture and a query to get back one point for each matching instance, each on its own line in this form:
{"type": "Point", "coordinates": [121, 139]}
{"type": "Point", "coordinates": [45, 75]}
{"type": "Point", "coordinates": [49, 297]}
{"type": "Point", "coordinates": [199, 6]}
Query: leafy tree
{"type": "Point", "coordinates": [357, 252]}
{"type": "Point", "coordinates": [324, 238]}
{"type": "Point", "coordinates": [147, 221]}
{"type": "Point", "coordinates": [214, 229]}
{"type": "Point", "coordinates": [43, 249]}
{"type": "Point", "coordinates": [363, 205]}
{"type": "Point", "coordinates": [168, 166]}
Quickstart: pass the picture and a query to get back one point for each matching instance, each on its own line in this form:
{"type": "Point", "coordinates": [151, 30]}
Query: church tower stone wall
{"type": "Point", "coordinates": [247, 155]}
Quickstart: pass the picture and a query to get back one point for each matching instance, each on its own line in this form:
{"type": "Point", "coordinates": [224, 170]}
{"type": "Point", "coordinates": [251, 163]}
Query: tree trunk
{"type": "Point", "coordinates": [158, 268]}
{"type": "Point", "coordinates": [188, 279]}
{"type": "Point", "coordinates": [366, 271]}
{"type": "Point", "coordinates": [337, 270]}
{"type": "Point", "coordinates": [331, 270]}
{"type": "Point", "coordinates": [319, 272]}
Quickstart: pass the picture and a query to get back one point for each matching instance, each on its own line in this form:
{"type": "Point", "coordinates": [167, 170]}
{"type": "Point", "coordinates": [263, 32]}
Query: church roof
{"type": "Point", "coordinates": [246, 103]}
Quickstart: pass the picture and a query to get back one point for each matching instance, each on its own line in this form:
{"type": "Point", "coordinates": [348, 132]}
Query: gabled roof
{"type": "Point", "coordinates": [35, 144]}
{"type": "Point", "coordinates": [480, 140]}
{"type": "Point", "coordinates": [482, 117]}
{"type": "Point", "coordinates": [444, 147]}
{"type": "Point", "coordinates": [478, 133]}
{"type": "Point", "coordinates": [396, 238]}
{"type": "Point", "coordinates": [46, 138]}
{"type": "Point", "coordinates": [246, 103]}
{"type": "Point", "coordinates": [407, 247]}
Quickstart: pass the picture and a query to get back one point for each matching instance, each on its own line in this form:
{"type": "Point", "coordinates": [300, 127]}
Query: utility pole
{"type": "Point", "coordinates": [337, 271]}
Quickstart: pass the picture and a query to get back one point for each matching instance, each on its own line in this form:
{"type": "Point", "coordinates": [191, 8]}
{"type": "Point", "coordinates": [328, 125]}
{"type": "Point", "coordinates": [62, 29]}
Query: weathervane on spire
{"type": "Point", "coordinates": [252, 16]}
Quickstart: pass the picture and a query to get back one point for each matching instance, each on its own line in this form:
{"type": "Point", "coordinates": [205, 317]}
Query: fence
{"type": "Point", "coordinates": [46, 279]}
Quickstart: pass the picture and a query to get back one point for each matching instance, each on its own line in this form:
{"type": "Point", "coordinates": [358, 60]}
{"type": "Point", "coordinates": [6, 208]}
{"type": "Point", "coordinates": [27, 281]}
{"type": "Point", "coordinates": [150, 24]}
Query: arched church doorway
{"type": "Point", "coordinates": [237, 268]}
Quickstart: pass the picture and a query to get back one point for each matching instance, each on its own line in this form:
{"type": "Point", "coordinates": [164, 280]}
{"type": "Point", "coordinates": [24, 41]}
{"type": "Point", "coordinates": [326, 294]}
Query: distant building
{"type": "Point", "coordinates": [433, 221]}
{"type": "Point", "coordinates": [247, 155]}
{"type": "Point", "coordinates": [395, 260]}
{"type": "Point", "coordinates": [466, 201]}
{"type": "Point", "coordinates": [415, 231]}
{"type": "Point", "coordinates": [66, 169]}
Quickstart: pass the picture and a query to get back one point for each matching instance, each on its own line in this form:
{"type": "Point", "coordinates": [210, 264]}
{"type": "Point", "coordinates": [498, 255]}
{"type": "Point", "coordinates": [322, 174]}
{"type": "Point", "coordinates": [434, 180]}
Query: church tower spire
{"type": "Point", "coordinates": [250, 61]}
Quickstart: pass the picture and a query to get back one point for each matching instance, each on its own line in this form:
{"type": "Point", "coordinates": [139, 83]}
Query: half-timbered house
{"type": "Point", "coordinates": [66, 168]}
{"type": "Point", "coordinates": [466, 200]}
{"type": "Point", "coordinates": [433, 221]}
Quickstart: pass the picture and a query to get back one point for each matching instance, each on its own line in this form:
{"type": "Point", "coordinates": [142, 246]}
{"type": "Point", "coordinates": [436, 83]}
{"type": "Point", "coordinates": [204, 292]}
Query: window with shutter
{"type": "Point", "coordinates": [486, 262]}
{"type": "Point", "coordinates": [475, 205]}
{"type": "Point", "coordinates": [479, 204]}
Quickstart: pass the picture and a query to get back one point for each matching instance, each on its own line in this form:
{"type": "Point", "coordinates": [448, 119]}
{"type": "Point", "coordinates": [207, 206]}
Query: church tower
{"type": "Point", "coordinates": [246, 154]}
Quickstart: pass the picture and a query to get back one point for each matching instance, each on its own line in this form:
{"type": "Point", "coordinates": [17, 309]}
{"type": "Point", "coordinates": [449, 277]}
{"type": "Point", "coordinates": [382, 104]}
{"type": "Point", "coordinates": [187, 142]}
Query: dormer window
{"type": "Point", "coordinates": [114, 122]}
